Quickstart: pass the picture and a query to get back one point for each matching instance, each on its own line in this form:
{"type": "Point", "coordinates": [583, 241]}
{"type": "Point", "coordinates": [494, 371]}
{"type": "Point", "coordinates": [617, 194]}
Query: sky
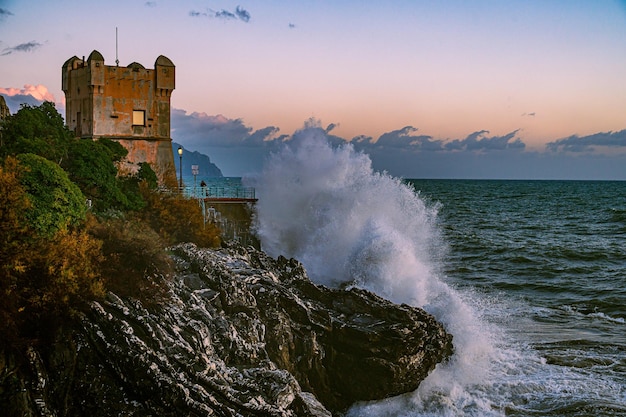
{"type": "Point", "coordinates": [528, 89]}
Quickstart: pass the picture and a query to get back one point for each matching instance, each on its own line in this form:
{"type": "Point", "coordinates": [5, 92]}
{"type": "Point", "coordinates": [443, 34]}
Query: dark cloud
{"type": "Point", "coordinates": [478, 141]}
{"type": "Point", "coordinates": [238, 149]}
{"type": "Point", "coordinates": [577, 143]}
{"type": "Point", "coordinates": [225, 14]}
{"type": "Point", "coordinates": [4, 13]}
{"type": "Point", "coordinates": [404, 138]}
{"type": "Point", "coordinates": [330, 127]}
{"type": "Point", "coordinates": [23, 47]}
{"type": "Point", "coordinates": [361, 139]}
{"type": "Point", "coordinates": [263, 136]}
{"type": "Point", "coordinates": [235, 148]}
{"type": "Point", "coordinates": [200, 128]}
{"type": "Point", "coordinates": [242, 14]}
{"type": "Point", "coordinates": [239, 13]}
{"type": "Point", "coordinates": [151, 4]}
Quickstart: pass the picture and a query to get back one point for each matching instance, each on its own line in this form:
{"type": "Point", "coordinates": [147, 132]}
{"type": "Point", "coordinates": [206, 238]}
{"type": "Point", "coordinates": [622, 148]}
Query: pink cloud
{"type": "Point", "coordinates": [39, 92]}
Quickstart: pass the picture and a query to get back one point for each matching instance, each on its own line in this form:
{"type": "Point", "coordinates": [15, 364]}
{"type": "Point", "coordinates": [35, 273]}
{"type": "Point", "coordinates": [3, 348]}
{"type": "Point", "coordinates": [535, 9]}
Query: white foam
{"type": "Point", "coordinates": [347, 224]}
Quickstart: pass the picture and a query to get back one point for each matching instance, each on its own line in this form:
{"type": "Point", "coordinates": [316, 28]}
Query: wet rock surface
{"type": "Point", "coordinates": [242, 334]}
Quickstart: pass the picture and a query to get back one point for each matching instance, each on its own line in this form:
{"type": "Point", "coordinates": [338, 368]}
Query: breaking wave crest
{"type": "Point", "coordinates": [351, 226]}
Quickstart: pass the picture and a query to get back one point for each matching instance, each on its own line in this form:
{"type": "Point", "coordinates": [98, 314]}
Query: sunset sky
{"type": "Point", "coordinates": [430, 89]}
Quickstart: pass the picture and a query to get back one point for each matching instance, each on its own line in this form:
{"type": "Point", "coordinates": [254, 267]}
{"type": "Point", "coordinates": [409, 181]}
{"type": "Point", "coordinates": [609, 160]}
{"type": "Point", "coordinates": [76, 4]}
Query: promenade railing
{"type": "Point", "coordinates": [220, 192]}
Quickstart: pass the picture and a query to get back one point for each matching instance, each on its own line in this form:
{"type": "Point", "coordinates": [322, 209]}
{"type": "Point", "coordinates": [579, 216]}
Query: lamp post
{"type": "Point", "coordinates": [180, 166]}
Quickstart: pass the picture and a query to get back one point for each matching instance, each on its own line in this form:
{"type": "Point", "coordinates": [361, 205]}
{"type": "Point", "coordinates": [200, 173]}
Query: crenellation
{"type": "Point", "coordinates": [129, 104]}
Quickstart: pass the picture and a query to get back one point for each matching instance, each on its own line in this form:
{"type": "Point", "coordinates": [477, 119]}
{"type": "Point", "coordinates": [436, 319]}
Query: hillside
{"type": "Point", "coordinates": [206, 168]}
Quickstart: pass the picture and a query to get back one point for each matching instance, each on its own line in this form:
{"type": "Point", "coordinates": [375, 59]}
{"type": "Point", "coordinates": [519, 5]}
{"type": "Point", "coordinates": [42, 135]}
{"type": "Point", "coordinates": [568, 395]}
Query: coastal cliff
{"type": "Point", "coordinates": [240, 334]}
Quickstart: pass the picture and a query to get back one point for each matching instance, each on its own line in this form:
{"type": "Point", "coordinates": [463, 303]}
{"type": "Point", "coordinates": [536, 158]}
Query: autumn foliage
{"type": "Point", "coordinates": [135, 262]}
{"type": "Point", "coordinates": [177, 219]}
{"type": "Point", "coordinates": [56, 254]}
{"type": "Point", "coordinates": [43, 277]}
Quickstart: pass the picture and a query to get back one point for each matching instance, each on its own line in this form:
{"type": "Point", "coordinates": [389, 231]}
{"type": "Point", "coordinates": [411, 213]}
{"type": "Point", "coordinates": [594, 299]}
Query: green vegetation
{"type": "Point", "coordinates": [57, 203]}
{"type": "Point", "coordinates": [57, 252]}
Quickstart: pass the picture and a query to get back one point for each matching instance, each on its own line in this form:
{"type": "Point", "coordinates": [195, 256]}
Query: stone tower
{"type": "Point", "coordinates": [130, 105]}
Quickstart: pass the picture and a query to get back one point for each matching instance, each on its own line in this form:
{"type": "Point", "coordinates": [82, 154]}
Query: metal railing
{"type": "Point", "coordinates": [247, 193]}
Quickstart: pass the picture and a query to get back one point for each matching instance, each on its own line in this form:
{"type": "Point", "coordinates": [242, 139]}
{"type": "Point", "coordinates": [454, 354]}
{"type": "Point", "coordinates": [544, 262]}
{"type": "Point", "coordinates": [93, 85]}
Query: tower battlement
{"type": "Point", "coordinates": [130, 105]}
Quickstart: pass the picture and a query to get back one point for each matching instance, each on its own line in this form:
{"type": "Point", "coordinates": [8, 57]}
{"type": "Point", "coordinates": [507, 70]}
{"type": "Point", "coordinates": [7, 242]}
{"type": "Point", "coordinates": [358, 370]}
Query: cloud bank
{"type": "Point", "coordinates": [240, 150]}
{"type": "Point", "coordinates": [589, 143]}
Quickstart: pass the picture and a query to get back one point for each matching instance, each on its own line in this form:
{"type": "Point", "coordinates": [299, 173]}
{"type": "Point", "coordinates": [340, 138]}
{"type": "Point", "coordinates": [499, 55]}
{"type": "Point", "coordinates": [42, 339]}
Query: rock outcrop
{"type": "Point", "coordinates": [242, 334]}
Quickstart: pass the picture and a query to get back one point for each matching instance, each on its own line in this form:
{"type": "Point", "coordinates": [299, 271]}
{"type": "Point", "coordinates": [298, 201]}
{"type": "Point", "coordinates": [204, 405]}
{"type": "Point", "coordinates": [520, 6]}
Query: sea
{"type": "Point", "coordinates": [528, 276]}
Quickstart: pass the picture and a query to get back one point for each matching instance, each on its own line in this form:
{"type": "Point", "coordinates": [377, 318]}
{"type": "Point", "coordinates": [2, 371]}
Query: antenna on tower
{"type": "Point", "coordinates": [117, 61]}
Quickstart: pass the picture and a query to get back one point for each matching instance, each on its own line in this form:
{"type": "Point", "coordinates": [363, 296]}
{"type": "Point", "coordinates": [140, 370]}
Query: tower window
{"type": "Point", "coordinates": [139, 117]}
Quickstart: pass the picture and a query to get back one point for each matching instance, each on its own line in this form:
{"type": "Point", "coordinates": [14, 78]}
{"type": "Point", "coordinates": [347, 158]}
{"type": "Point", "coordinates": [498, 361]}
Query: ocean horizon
{"type": "Point", "coordinates": [529, 276]}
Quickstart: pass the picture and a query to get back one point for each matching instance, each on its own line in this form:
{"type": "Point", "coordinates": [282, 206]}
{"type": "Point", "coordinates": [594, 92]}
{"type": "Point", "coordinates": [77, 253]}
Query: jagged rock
{"type": "Point", "coordinates": [242, 334]}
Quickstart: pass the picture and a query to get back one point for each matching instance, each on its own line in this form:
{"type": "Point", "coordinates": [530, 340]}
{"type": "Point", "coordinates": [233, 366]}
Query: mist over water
{"type": "Point", "coordinates": [351, 226]}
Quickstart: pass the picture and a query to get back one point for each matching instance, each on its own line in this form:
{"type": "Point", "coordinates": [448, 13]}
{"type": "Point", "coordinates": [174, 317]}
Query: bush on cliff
{"type": "Point", "coordinates": [135, 262]}
{"type": "Point", "coordinates": [52, 260]}
{"type": "Point", "coordinates": [57, 203]}
{"type": "Point", "coordinates": [47, 273]}
{"type": "Point", "coordinates": [177, 219]}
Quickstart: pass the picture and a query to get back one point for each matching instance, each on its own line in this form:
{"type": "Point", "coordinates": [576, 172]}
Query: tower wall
{"type": "Point", "coordinates": [129, 104]}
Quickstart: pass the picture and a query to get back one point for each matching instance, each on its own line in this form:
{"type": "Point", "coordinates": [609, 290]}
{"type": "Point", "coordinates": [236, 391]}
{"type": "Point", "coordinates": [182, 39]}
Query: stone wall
{"type": "Point", "coordinates": [129, 104]}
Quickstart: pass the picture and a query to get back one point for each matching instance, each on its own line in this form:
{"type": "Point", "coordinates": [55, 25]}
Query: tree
{"type": "Point", "coordinates": [131, 184]}
{"type": "Point", "coordinates": [46, 272]}
{"type": "Point", "coordinates": [57, 203]}
{"type": "Point", "coordinates": [147, 174]}
{"type": "Point", "coordinates": [91, 165]}
{"type": "Point", "coordinates": [39, 130]}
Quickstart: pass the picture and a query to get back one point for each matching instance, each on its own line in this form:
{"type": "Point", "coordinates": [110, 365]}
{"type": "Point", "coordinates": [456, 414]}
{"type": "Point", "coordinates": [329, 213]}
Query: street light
{"type": "Point", "coordinates": [180, 166]}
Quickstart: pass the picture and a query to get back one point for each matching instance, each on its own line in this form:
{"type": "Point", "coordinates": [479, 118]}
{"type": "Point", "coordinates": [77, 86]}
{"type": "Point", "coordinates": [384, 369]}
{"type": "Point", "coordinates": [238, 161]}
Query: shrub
{"type": "Point", "coordinates": [178, 219]}
{"type": "Point", "coordinates": [51, 279]}
{"type": "Point", "coordinates": [64, 274]}
{"type": "Point", "coordinates": [135, 261]}
{"type": "Point", "coordinates": [56, 202]}
{"type": "Point", "coordinates": [49, 272]}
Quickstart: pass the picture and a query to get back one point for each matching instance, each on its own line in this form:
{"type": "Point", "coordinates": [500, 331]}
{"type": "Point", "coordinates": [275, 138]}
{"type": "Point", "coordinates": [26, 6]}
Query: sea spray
{"type": "Point", "coordinates": [350, 225]}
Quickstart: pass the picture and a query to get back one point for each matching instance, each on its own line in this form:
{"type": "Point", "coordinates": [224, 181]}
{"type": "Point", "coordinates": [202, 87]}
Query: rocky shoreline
{"type": "Point", "coordinates": [242, 334]}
